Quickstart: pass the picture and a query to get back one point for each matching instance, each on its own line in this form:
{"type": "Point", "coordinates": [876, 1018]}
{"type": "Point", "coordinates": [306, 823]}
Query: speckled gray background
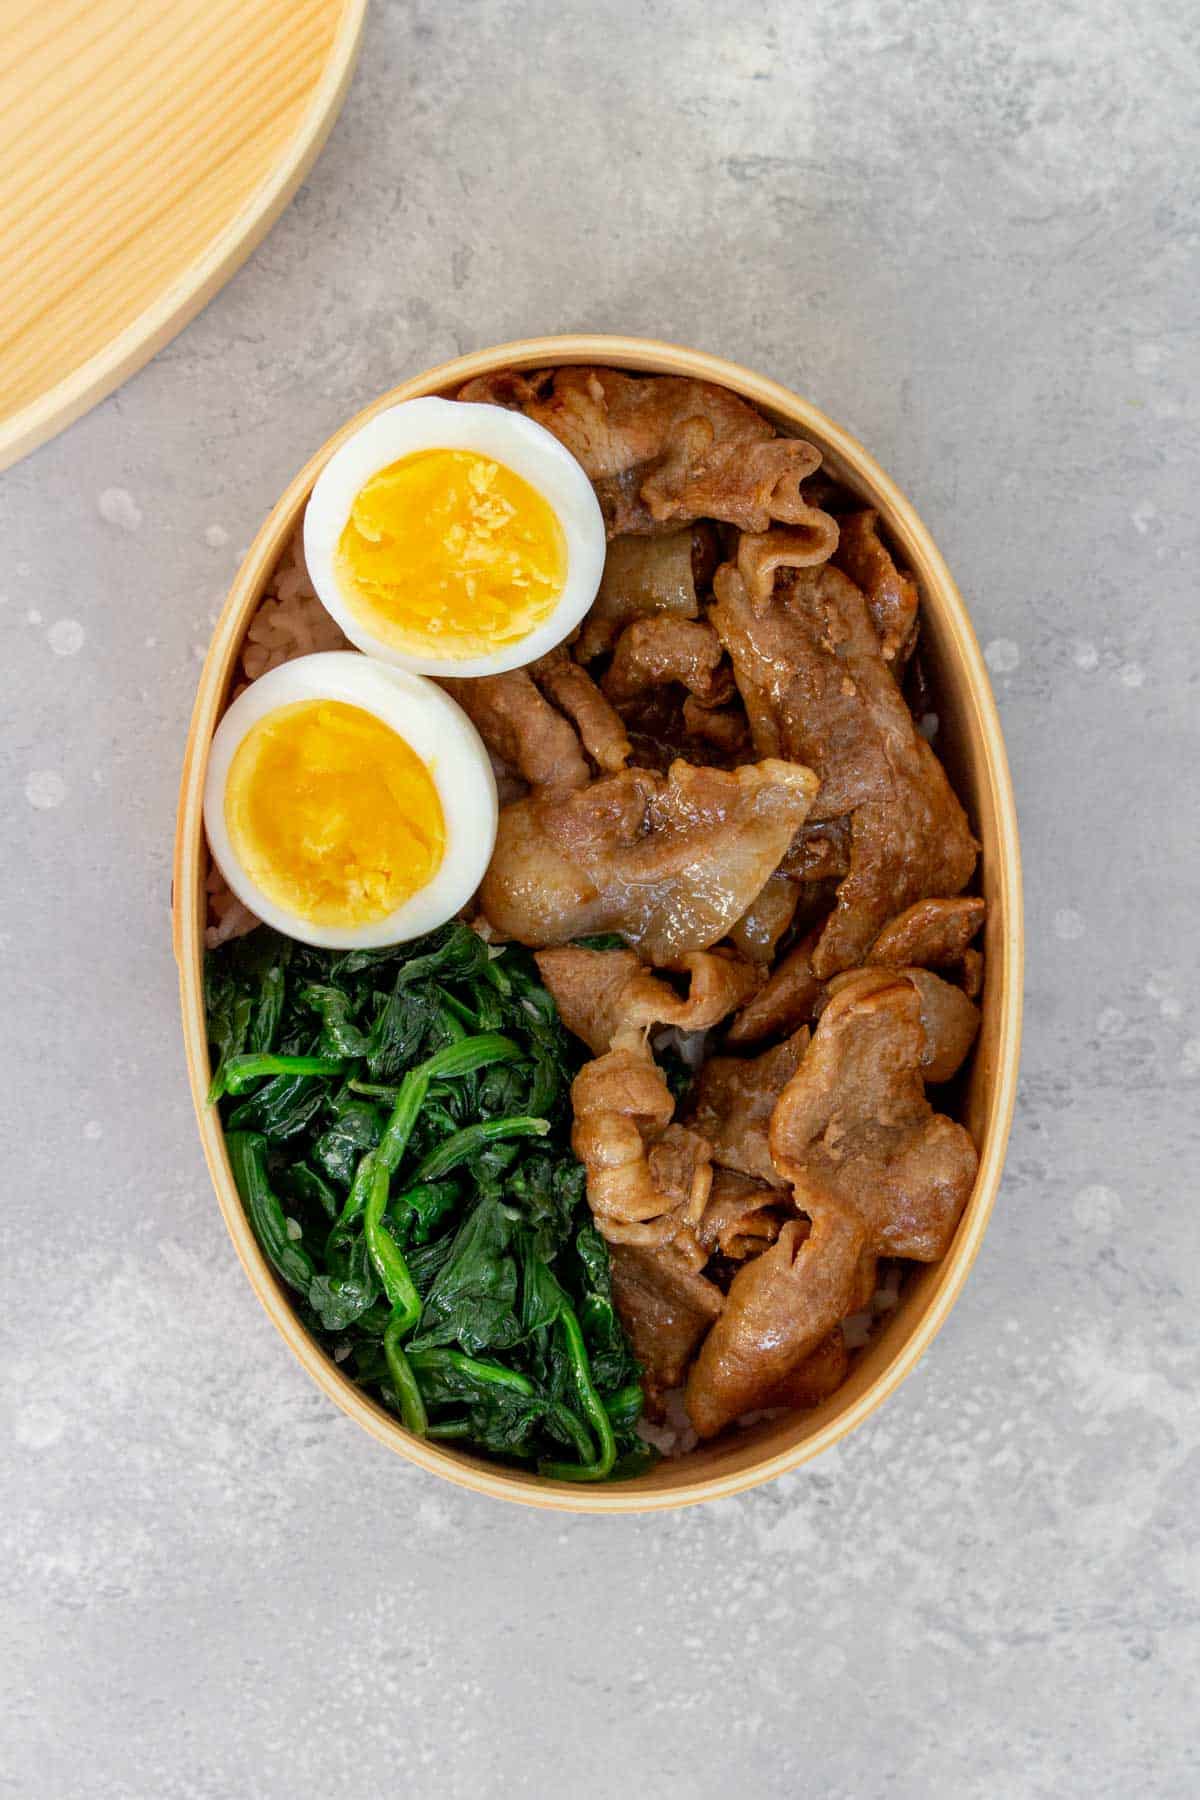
{"type": "Point", "coordinates": [970, 233]}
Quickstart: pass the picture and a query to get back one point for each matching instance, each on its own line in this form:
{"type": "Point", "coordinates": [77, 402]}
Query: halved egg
{"type": "Point", "coordinates": [454, 539]}
{"type": "Point", "coordinates": [348, 803]}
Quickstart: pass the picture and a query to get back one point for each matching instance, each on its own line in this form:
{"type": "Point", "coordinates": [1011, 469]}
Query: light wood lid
{"type": "Point", "coordinates": [145, 148]}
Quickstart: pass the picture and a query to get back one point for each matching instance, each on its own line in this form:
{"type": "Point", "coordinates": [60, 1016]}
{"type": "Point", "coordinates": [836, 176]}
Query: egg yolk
{"type": "Point", "coordinates": [450, 552]}
{"type": "Point", "coordinates": [333, 814]}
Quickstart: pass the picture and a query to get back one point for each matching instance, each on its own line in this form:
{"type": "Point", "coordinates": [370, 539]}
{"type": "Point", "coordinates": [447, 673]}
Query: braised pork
{"type": "Point", "coordinates": [670, 862]}
{"type": "Point", "coordinates": [854, 1126]}
{"type": "Point", "coordinates": [816, 688]}
{"type": "Point", "coordinates": [670, 450]}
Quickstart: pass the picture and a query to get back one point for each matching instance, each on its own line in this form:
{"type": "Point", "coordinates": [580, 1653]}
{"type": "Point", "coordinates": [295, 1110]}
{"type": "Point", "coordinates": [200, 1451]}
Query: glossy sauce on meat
{"type": "Point", "coordinates": [724, 771]}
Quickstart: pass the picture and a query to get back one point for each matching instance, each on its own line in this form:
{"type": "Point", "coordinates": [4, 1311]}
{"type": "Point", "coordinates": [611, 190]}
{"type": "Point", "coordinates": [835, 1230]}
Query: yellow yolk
{"type": "Point", "coordinates": [333, 815]}
{"type": "Point", "coordinates": [450, 552]}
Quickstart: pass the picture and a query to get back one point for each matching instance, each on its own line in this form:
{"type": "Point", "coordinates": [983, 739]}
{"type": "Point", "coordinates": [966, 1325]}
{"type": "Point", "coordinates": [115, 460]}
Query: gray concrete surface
{"type": "Point", "coordinates": [969, 231]}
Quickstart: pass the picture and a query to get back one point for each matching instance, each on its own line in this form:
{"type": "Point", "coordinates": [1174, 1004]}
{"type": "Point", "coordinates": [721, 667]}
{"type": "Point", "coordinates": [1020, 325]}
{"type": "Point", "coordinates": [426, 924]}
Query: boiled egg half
{"type": "Point", "coordinates": [454, 539]}
{"type": "Point", "coordinates": [349, 803]}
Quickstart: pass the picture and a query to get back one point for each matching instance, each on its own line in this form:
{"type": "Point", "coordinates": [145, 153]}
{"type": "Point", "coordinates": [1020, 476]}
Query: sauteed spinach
{"type": "Point", "coordinates": [398, 1126]}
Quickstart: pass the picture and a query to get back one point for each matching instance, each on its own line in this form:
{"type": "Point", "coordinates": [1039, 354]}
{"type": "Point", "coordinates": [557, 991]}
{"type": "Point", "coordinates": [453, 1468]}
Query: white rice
{"type": "Point", "coordinates": [290, 620]}
{"type": "Point", "coordinates": [227, 917]}
{"type": "Point", "coordinates": [676, 1435]}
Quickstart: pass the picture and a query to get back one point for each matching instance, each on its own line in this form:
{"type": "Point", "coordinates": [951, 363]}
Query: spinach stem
{"type": "Point", "coordinates": [248, 1160]}
{"type": "Point", "coordinates": [593, 1406]}
{"type": "Point", "coordinates": [450, 1428]}
{"type": "Point", "coordinates": [240, 1071]}
{"type": "Point", "coordinates": [461, 1012]}
{"type": "Point", "coordinates": [624, 1398]}
{"type": "Point", "coordinates": [461, 1145]}
{"type": "Point", "coordinates": [575, 1429]}
{"type": "Point", "coordinates": [392, 1270]}
{"type": "Point", "coordinates": [385, 1252]}
{"type": "Point", "coordinates": [429, 1361]}
{"type": "Point", "coordinates": [360, 1186]}
{"type": "Point", "coordinates": [412, 1406]}
{"type": "Point", "coordinates": [459, 1058]}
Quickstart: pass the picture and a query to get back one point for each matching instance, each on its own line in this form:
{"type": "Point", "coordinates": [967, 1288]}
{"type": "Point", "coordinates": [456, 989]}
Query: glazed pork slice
{"type": "Point", "coordinates": [854, 1125]}
{"type": "Point", "coordinates": [787, 999]}
{"type": "Point", "coordinates": [652, 652]}
{"type": "Point", "coordinates": [765, 921]}
{"type": "Point", "coordinates": [663, 450]}
{"type": "Point", "coordinates": [575, 693]}
{"type": "Point", "coordinates": [820, 1374]}
{"type": "Point", "coordinates": [817, 689]}
{"type": "Point", "coordinates": [521, 727]}
{"type": "Point", "coordinates": [648, 1180]}
{"type": "Point", "coordinates": [931, 934]}
{"type": "Point", "coordinates": [719, 728]}
{"type": "Point", "coordinates": [601, 994]}
{"type": "Point", "coordinates": [819, 852]}
{"type": "Point", "coordinates": [792, 995]}
{"type": "Point", "coordinates": [890, 595]}
{"type": "Point", "coordinates": [949, 1020]}
{"type": "Point", "coordinates": [669, 861]}
{"type": "Point", "coordinates": [733, 1098]}
{"type": "Point", "coordinates": [539, 721]}
{"type": "Point", "coordinates": [666, 1307]}
{"type": "Point", "coordinates": [742, 1217]}
{"type": "Point", "coordinates": [779, 1309]}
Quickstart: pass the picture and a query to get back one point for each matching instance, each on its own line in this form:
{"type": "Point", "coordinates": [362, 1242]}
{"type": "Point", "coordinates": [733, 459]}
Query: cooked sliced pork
{"type": "Point", "coordinates": [766, 919]}
{"type": "Point", "coordinates": [721, 728]}
{"type": "Point", "coordinates": [666, 1307]}
{"type": "Point", "coordinates": [743, 1216]}
{"type": "Point", "coordinates": [819, 852]}
{"type": "Point", "coordinates": [931, 934]}
{"type": "Point", "coordinates": [601, 994]}
{"type": "Point", "coordinates": [816, 688]}
{"type": "Point", "coordinates": [854, 1125]}
{"type": "Point", "coordinates": [575, 693]}
{"type": "Point", "coordinates": [669, 450]}
{"type": "Point", "coordinates": [652, 652]}
{"type": "Point", "coordinates": [787, 998]}
{"type": "Point", "coordinates": [779, 1309]}
{"type": "Point", "coordinates": [523, 729]}
{"type": "Point", "coordinates": [670, 862]}
{"type": "Point", "coordinates": [643, 578]}
{"type": "Point", "coordinates": [949, 1021]}
{"type": "Point", "coordinates": [648, 1180]}
{"type": "Point", "coordinates": [732, 1099]}
{"type": "Point", "coordinates": [820, 1374]}
{"type": "Point", "coordinates": [890, 595]}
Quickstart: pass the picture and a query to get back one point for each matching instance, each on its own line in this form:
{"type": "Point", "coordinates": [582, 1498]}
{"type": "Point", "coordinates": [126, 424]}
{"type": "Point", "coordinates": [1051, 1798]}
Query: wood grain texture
{"type": "Point", "coordinates": [145, 147]}
{"type": "Point", "coordinates": [973, 749]}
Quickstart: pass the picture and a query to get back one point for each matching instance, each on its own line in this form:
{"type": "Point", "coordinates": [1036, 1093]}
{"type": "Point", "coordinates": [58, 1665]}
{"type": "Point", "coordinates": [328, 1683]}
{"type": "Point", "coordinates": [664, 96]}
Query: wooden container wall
{"type": "Point", "coordinates": [972, 747]}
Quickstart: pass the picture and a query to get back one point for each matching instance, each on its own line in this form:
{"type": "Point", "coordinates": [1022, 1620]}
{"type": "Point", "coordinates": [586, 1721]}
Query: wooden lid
{"type": "Point", "coordinates": [144, 151]}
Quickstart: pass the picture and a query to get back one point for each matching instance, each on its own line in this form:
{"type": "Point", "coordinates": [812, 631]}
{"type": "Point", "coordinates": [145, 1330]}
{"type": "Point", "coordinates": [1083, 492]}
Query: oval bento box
{"type": "Point", "coordinates": [970, 744]}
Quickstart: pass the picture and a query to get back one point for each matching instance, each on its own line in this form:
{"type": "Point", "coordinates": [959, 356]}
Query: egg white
{"type": "Point", "coordinates": [506, 437]}
{"type": "Point", "coordinates": [442, 736]}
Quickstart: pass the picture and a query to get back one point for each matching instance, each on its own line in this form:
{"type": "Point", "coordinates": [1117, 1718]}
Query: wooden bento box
{"type": "Point", "coordinates": [972, 748]}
